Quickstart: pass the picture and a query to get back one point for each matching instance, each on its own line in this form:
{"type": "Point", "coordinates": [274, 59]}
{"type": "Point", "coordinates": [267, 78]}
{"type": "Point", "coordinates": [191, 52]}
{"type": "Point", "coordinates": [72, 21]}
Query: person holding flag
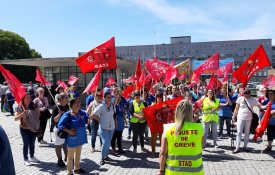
{"type": "Point", "coordinates": [271, 123]}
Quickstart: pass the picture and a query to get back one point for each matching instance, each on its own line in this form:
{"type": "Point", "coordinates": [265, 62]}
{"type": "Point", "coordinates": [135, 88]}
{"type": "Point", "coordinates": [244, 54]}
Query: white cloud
{"type": "Point", "coordinates": [168, 13]}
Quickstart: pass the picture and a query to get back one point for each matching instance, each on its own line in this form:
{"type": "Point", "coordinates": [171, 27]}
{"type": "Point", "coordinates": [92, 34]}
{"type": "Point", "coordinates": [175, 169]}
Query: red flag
{"type": "Point", "coordinates": [211, 64]}
{"type": "Point", "coordinates": [61, 84]}
{"type": "Point", "coordinates": [103, 56]}
{"type": "Point", "coordinates": [127, 92]}
{"type": "Point", "coordinates": [138, 69]}
{"type": "Point", "coordinates": [269, 81]}
{"type": "Point", "coordinates": [148, 78]}
{"type": "Point", "coordinates": [157, 68]}
{"type": "Point", "coordinates": [195, 76]}
{"type": "Point", "coordinates": [170, 75]}
{"type": "Point", "coordinates": [92, 86]}
{"type": "Point", "coordinates": [16, 87]}
{"type": "Point", "coordinates": [142, 77]}
{"type": "Point", "coordinates": [161, 113]}
{"type": "Point", "coordinates": [110, 82]}
{"type": "Point", "coordinates": [182, 76]}
{"type": "Point", "coordinates": [214, 83]}
{"type": "Point", "coordinates": [228, 68]}
{"type": "Point", "coordinates": [254, 62]}
{"type": "Point", "coordinates": [131, 79]}
{"type": "Point", "coordinates": [225, 78]}
{"type": "Point", "coordinates": [40, 78]}
{"type": "Point", "coordinates": [72, 80]}
{"type": "Point", "coordinates": [263, 123]}
{"type": "Point", "coordinates": [173, 62]}
{"type": "Point", "coordinates": [234, 80]}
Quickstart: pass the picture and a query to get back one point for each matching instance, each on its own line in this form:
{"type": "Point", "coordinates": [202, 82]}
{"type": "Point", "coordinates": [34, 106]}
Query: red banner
{"type": "Point", "coordinates": [269, 81]}
{"type": "Point", "coordinates": [40, 78]}
{"type": "Point", "coordinates": [256, 61]}
{"type": "Point", "coordinates": [161, 113]}
{"type": "Point", "coordinates": [214, 83]}
{"type": "Point", "coordinates": [110, 82]}
{"type": "Point", "coordinates": [138, 69]}
{"type": "Point", "coordinates": [103, 56]}
{"type": "Point", "coordinates": [127, 92]}
{"type": "Point", "coordinates": [72, 80]}
{"type": "Point", "coordinates": [228, 68]}
{"type": "Point", "coordinates": [92, 86]}
{"type": "Point", "coordinates": [211, 64]}
{"type": "Point", "coordinates": [263, 123]}
{"type": "Point", "coordinates": [157, 68]}
{"type": "Point", "coordinates": [16, 87]}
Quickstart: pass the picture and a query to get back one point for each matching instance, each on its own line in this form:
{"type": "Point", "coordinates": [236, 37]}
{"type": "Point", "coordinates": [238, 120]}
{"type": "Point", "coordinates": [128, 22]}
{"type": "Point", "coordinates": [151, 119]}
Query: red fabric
{"type": "Point", "coordinates": [127, 92]}
{"type": "Point", "coordinates": [211, 64]}
{"type": "Point", "coordinates": [110, 82]}
{"type": "Point", "coordinates": [72, 80]}
{"type": "Point", "coordinates": [182, 76]}
{"type": "Point", "coordinates": [92, 86]}
{"type": "Point", "coordinates": [142, 77]}
{"type": "Point", "coordinates": [195, 76]}
{"type": "Point", "coordinates": [263, 123]}
{"type": "Point", "coordinates": [157, 68]}
{"type": "Point", "coordinates": [161, 113]}
{"type": "Point", "coordinates": [40, 78]}
{"type": "Point", "coordinates": [269, 81]}
{"type": "Point", "coordinates": [17, 89]}
{"type": "Point", "coordinates": [228, 68]}
{"type": "Point", "coordinates": [214, 83]}
{"type": "Point", "coordinates": [131, 79]}
{"type": "Point", "coordinates": [103, 56]}
{"type": "Point", "coordinates": [61, 84]}
{"type": "Point", "coordinates": [171, 74]}
{"type": "Point", "coordinates": [138, 69]}
{"type": "Point", "coordinates": [254, 62]}
{"type": "Point", "coordinates": [137, 85]}
{"type": "Point", "coordinates": [234, 80]}
{"type": "Point", "coordinates": [148, 79]}
{"type": "Point", "coordinates": [225, 78]}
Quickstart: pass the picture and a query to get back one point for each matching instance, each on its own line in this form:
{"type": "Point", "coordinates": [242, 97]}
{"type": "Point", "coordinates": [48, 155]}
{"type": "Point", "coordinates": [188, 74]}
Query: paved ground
{"type": "Point", "coordinates": [216, 161]}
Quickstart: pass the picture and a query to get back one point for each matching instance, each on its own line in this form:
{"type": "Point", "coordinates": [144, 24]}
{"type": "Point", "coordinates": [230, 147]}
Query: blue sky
{"type": "Point", "coordinates": [59, 28]}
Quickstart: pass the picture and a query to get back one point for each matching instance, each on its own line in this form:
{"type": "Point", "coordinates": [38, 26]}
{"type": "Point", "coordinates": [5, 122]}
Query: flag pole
{"type": "Point", "coordinates": [52, 97]}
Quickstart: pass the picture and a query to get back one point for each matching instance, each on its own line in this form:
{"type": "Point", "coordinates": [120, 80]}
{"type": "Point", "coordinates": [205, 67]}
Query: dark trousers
{"type": "Point", "coordinates": [2, 101]}
{"type": "Point", "coordinates": [270, 133]}
{"type": "Point", "coordinates": [43, 125]}
{"type": "Point", "coordinates": [138, 131]}
{"type": "Point", "coordinates": [28, 142]}
{"type": "Point", "coordinates": [94, 128]}
{"type": "Point", "coordinates": [221, 123]}
{"type": "Point", "coordinates": [10, 103]}
{"type": "Point", "coordinates": [117, 137]}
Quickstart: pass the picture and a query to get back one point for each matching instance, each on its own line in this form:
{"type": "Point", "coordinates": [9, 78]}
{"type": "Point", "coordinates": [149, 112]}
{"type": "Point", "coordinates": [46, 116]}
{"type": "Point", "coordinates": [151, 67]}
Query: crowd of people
{"type": "Point", "coordinates": [106, 113]}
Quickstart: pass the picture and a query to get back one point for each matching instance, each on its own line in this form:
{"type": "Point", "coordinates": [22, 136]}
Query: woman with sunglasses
{"type": "Point", "coordinates": [210, 118]}
{"type": "Point", "coordinates": [105, 115]}
{"type": "Point", "coordinates": [93, 122]}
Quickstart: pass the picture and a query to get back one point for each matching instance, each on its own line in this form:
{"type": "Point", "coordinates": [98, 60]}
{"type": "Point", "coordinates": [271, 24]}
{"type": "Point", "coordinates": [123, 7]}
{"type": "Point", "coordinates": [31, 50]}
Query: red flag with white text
{"type": "Point", "coordinates": [228, 68]}
{"type": "Point", "coordinates": [160, 113]}
{"type": "Point", "coordinates": [17, 89]}
{"type": "Point", "coordinates": [269, 81]}
{"type": "Point", "coordinates": [211, 64]}
{"type": "Point", "coordinates": [102, 57]}
{"type": "Point", "coordinates": [72, 80]}
{"type": "Point", "coordinates": [157, 68]}
{"type": "Point", "coordinates": [256, 61]}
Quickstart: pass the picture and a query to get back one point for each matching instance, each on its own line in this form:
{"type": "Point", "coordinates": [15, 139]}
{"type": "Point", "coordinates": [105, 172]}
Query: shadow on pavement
{"type": "Point", "coordinates": [219, 158]}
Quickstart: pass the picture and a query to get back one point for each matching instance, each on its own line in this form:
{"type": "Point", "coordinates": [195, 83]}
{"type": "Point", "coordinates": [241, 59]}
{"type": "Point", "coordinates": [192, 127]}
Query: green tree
{"type": "Point", "coordinates": [13, 46]}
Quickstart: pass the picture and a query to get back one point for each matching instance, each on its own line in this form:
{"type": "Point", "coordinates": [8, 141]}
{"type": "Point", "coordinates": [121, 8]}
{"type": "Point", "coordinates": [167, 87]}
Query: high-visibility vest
{"type": "Point", "coordinates": [138, 110]}
{"type": "Point", "coordinates": [208, 114]}
{"type": "Point", "coordinates": [185, 150]}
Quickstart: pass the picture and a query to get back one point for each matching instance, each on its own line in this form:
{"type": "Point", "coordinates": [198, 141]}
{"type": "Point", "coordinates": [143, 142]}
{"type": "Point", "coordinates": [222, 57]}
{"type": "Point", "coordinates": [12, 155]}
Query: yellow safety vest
{"type": "Point", "coordinates": [185, 150]}
{"type": "Point", "coordinates": [137, 109]}
{"type": "Point", "coordinates": [208, 114]}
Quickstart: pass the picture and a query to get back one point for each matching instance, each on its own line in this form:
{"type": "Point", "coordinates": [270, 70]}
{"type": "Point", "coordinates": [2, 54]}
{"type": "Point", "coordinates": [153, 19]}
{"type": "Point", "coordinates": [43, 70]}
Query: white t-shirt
{"type": "Point", "coordinates": [106, 116]}
{"type": "Point", "coordinates": [244, 113]}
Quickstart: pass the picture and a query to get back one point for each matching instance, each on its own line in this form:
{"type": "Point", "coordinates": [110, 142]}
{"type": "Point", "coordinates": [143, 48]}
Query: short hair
{"type": "Point", "coordinates": [107, 93]}
{"type": "Point", "coordinates": [39, 89]}
{"type": "Point", "coordinates": [246, 91]}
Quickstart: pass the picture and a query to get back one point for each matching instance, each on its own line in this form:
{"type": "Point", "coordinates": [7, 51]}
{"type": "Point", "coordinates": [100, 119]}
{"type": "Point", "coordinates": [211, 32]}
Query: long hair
{"type": "Point", "coordinates": [183, 114]}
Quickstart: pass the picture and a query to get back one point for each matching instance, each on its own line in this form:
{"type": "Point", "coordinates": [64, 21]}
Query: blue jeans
{"type": "Point", "coordinates": [94, 128]}
{"type": "Point", "coordinates": [28, 142]}
{"type": "Point", "coordinates": [106, 137]}
{"type": "Point", "coordinates": [206, 126]}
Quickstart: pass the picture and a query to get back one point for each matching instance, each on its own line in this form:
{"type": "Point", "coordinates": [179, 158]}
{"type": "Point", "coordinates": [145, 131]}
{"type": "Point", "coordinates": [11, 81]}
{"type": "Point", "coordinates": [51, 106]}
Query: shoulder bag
{"type": "Point", "coordinates": [255, 119]}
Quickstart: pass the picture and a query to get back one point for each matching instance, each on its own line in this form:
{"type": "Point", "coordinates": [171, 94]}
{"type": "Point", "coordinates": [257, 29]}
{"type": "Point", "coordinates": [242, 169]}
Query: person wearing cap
{"type": "Point", "coordinates": [137, 121]}
{"type": "Point", "coordinates": [58, 110]}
